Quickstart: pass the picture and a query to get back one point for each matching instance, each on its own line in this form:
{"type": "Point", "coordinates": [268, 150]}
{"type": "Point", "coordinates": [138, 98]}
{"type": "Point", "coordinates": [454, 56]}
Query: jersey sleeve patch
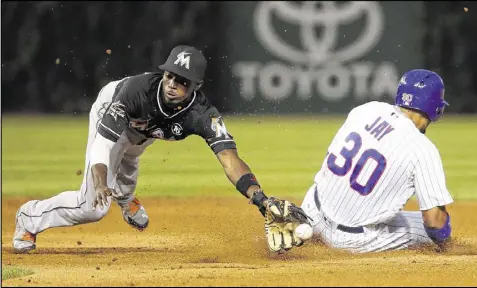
{"type": "Point", "coordinates": [114, 122]}
{"type": "Point", "coordinates": [211, 127]}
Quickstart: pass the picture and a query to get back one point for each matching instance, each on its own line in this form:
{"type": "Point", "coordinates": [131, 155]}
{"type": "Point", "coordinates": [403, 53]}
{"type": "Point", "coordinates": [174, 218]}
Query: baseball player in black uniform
{"type": "Point", "coordinates": [127, 117]}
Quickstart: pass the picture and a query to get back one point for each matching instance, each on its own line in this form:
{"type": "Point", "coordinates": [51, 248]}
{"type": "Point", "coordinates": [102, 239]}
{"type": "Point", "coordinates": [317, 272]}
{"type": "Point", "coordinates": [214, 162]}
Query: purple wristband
{"type": "Point", "coordinates": [440, 235]}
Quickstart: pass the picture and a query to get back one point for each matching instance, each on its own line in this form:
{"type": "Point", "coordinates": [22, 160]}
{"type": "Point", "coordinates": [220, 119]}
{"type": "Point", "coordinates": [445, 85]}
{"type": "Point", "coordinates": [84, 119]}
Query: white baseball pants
{"type": "Point", "coordinates": [75, 207]}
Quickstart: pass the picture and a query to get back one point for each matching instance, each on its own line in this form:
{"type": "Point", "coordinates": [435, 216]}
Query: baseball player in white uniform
{"type": "Point", "coordinates": [379, 158]}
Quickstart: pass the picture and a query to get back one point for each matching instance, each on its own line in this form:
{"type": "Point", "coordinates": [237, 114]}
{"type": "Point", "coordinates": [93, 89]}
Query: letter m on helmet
{"type": "Point", "coordinates": [183, 59]}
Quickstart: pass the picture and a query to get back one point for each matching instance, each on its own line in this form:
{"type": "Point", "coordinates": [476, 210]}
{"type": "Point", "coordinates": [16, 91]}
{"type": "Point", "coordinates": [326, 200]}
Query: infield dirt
{"type": "Point", "coordinates": [220, 242]}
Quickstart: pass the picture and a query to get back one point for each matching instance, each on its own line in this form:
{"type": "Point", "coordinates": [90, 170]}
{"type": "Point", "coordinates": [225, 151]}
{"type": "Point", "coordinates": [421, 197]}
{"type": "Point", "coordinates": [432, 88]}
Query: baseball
{"type": "Point", "coordinates": [304, 231]}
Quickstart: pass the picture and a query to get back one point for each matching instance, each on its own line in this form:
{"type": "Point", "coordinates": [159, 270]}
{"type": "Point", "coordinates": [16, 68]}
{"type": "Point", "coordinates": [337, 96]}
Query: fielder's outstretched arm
{"type": "Point", "coordinates": [211, 127]}
{"type": "Point", "coordinates": [240, 174]}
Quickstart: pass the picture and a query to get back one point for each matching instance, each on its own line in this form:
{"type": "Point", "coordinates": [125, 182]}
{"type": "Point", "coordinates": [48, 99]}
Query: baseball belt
{"type": "Point", "coordinates": [354, 230]}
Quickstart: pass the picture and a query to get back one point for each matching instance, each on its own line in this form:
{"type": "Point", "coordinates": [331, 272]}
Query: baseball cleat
{"type": "Point", "coordinates": [135, 214]}
{"type": "Point", "coordinates": [23, 241]}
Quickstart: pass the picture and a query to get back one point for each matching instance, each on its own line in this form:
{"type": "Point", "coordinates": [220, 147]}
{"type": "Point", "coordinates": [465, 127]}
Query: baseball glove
{"type": "Point", "coordinates": [281, 219]}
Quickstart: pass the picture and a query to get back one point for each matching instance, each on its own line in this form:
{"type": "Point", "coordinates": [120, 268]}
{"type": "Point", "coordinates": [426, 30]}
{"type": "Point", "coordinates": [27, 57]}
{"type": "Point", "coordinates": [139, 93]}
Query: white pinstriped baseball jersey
{"type": "Point", "coordinates": [375, 163]}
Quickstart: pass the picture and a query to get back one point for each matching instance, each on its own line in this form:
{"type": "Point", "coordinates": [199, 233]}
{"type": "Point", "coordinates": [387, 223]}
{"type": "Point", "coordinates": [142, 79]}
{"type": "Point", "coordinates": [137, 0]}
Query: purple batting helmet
{"type": "Point", "coordinates": [422, 90]}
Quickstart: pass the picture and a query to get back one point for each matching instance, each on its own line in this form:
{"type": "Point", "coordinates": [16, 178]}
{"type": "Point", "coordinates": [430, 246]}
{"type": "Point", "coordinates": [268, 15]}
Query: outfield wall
{"type": "Point", "coordinates": [263, 57]}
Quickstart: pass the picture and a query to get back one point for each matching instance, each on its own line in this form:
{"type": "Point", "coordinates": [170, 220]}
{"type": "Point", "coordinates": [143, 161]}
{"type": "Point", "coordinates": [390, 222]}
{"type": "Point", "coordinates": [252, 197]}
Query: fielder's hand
{"type": "Point", "coordinates": [281, 219]}
{"type": "Point", "coordinates": [102, 193]}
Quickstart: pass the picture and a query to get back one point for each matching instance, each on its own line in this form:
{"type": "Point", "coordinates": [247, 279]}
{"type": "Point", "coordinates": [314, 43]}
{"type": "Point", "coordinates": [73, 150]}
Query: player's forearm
{"type": "Point", "coordinates": [235, 171]}
{"type": "Point", "coordinates": [99, 173]}
{"type": "Point", "coordinates": [99, 160]}
{"type": "Point", "coordinates": [435, 218]}
{"type": "Point", "coordinates": [234, 167]}
{"type": "Point", "coordinates": [239, 174]}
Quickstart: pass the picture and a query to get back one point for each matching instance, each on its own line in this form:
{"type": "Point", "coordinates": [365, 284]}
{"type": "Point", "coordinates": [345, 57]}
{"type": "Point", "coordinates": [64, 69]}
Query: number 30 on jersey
{"type": "Point", "coordinates": [349, 155]}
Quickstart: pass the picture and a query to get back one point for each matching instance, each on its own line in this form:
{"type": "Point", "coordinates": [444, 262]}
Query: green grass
{"type": "Point", "coordinates": [13, 272]}
{"type": "Point", "coordinates": [41, 155]}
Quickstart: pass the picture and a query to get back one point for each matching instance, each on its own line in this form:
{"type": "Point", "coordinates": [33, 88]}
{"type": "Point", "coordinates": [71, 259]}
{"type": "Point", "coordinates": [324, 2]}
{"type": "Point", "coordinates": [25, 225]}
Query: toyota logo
{"type": "Point", "coordinates": [316, 49]}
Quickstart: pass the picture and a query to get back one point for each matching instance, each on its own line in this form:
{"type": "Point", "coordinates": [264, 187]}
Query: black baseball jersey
{"type": "Point", "coordinates": [137, 109]}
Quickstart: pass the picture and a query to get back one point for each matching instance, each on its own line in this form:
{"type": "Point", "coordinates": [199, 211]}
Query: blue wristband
{"type": "Point", "coordinates": [440, 235]}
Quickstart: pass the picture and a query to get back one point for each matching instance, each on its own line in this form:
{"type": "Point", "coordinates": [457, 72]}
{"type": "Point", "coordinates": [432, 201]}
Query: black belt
{"type": "Point", "coordinates": [355, 230]}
